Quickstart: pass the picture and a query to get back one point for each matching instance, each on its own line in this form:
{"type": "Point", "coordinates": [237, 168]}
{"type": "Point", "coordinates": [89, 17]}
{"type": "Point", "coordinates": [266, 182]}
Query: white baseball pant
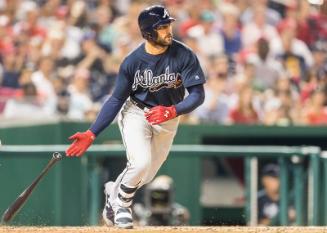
{"type": "Point", "coordinates": [147, 147]}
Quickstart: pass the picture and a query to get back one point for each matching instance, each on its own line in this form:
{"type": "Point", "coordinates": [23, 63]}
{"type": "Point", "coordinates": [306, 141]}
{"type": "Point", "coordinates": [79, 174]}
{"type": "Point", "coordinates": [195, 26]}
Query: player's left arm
{"type": "Point", "coordinates": [192, 101]}
{"type": "Point", "coordinates": [160, 114]}
{"type": "Point", "coordinates": [193, 80]}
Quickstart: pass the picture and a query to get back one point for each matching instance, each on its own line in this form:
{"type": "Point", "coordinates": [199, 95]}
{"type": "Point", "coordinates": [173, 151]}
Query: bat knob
{"type": "Point", "coordinates": [57, 155]}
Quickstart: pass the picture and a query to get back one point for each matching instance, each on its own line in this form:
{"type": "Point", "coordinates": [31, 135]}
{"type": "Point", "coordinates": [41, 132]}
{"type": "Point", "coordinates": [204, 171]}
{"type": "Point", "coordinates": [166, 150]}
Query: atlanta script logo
{"type": "Point", "coordinates": [155, 83]}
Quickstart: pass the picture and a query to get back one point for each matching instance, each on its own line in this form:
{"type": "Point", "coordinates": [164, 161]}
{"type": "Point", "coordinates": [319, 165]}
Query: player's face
{"type": "Point", "coordinates": [165, 35]}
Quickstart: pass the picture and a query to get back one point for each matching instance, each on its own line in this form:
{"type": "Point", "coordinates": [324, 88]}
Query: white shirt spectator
{"type": "Point", "coordinates": [79, 104]}
{"type": "Point", "coordinates": [24, 110]}
{"type": "Point", "coordinates": [46, 90]}
{"type": "Point", "coordinates": [26, 106]}
{"type": "Point", "coordinates": [210, 44]}
{"type": "Point", "coordinates": [80, 101]}
{"type": "Point", "coordinates": [210, 41]}
{"type": "Point", "coordinates": [217, 115]}
{"type": "Point", "coordinates": [71, 48]}
{"type": "Point", "coordinates": [272, 16]}
{"type": "Point", "coordinates": [267, 72]}
{"type": "Point", "coordinates": [298, 47]}
{"type": "Point", "coordinates": [252, 33]}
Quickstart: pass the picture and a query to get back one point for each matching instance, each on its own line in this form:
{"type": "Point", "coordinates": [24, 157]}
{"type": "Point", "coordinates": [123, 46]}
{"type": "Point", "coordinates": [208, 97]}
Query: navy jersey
{"type": "Point", "coordinates": [159, 79]}
{"type": "Point", "coordinates": [156, 80]}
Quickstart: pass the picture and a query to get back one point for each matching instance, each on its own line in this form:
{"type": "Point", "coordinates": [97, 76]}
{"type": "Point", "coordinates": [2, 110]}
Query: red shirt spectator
{"type": "Point", "coordinates": [317, 118]}
{"type": "Point", "coordinates": [243, 117]}
{"type": "Point", "coordinates": [244, 113]}
{"type": "Point", "coordinates": [310, 25]}
{"type": "Point", "coordinates": [316, 112]}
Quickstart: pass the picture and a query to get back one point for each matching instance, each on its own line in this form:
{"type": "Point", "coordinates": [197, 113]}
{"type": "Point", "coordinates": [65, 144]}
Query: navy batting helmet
{"type": "Point", "coordinates": [151, 18]}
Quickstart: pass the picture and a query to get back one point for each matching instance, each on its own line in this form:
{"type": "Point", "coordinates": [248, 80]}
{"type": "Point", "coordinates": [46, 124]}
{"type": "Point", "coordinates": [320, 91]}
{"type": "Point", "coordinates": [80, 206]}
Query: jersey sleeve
{"type": "Point", "coordinates": [124, 83]}
{"type": "Point", "coordinates": [192, 101]}
{"type": "Point", "coordinates": [192, 73]}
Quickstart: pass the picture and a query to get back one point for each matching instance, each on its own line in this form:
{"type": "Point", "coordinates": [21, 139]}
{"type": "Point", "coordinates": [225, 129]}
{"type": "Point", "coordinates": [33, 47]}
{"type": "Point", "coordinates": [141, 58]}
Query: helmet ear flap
{"type": "Point", "coordinates": [149, 35]}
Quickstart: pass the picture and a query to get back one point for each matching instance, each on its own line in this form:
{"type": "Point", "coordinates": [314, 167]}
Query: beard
{"type": "Point", "coordinates": [163, 42]}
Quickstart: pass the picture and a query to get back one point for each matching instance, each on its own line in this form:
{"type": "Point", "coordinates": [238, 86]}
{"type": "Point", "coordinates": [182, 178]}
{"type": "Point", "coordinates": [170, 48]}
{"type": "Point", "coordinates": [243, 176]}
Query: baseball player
{"type": "Point", "coordinates": [149, 97]}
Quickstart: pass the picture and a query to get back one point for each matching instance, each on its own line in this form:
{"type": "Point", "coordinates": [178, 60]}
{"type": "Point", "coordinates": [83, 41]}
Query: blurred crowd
{"type": "Point", "coordinates": [265, 60]}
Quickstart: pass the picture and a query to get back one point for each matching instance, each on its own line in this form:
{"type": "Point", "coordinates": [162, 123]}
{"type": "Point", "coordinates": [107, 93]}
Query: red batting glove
{"type": "Point", "coordinates": [159, 114]}
{"type": "Point", "coordinates": [82, 141]}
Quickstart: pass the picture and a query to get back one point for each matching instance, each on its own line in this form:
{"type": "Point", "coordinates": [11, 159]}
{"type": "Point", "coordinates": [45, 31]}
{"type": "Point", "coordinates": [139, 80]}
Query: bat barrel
{"type": "Point", "coordinates": [19, 202]}
{"type": "Point", "coordinates": [5, 217]}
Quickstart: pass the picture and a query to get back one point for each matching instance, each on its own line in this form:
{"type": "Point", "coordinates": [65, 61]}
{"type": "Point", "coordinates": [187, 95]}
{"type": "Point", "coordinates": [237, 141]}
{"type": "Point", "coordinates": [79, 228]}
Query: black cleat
{"type": "Point", "coordinates": [123, 218]}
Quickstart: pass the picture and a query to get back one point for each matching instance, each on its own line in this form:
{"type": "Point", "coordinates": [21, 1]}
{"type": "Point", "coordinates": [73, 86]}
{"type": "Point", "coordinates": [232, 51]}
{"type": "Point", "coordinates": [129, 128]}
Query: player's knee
{"type": "Point", "coordinates": [141, 168]}
{"type": "Point", "coordinates": [148, 179]}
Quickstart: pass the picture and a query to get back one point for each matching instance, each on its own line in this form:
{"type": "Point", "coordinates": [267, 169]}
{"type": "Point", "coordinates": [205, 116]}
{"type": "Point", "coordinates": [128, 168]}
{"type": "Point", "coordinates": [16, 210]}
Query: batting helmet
{"type": "Point", "coordinates": [151, 18]}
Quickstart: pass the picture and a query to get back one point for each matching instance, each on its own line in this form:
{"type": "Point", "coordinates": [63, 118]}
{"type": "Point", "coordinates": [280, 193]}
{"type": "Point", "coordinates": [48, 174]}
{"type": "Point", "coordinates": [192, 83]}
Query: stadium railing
{"type": "Point", "coordinates": [308, 208]}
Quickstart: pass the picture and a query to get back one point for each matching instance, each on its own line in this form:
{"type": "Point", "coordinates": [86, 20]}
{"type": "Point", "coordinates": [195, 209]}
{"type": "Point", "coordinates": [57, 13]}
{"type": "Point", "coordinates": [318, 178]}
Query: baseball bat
{"type": "Point", "coordinates": [21, 199]}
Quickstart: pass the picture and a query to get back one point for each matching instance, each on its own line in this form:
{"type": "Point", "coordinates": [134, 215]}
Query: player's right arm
{"type": "Point", "coordinates": [83, 140]}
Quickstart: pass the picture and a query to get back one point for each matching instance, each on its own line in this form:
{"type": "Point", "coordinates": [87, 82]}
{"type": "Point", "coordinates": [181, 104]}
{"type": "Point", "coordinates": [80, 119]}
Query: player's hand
{"type": "Point", "coordinates": [160, 114]}
{"type": "Point", "coordinates": [82, 141]}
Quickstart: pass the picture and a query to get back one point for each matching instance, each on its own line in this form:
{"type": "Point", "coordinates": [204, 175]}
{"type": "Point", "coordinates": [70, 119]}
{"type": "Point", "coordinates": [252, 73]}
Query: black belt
{"type": "Point", "coordinates": [139, 104]}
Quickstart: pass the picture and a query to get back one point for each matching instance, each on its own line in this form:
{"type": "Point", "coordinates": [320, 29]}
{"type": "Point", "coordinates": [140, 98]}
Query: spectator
{"type": "Point", "coordinates": [203, 59]}
{"type": "Point", "coordinates": [268, 197]}
{"type": "Point", "coordinates": [267, 71]}
{"type": "Point", "coordinates": [292, 52]}
{"type": "Point", "coordinates": [215, 108]}
{"type": "Point", "coordinates": [127, 25]}
{"type": "Point", "coordinates": [80, 100]}
{"type": "Point", "coordinates": [244, 112]}
{"type": "Point", "coordinates": [42, 79]}
{"type": "Point", "coordinates": [310, 24]}
{"type": "Point", "coordinates": [309, 86]}
{"type": "Point", "coordinates": [193, 16]}
{"type": "Point", "coordinates": [26, 106]}
{"type": "Point", "coordinates": [25, 77]}
{"type": "Point", "coordinates": [290, 11]}
{"type": "Point", "coordinates": [11, 71]}
{"type": "Point", "coordinates": [271, 16]}
{"type": "Point", "coordinates": [34, 52]}
{"type": "Point", "coordinates": [106, 32]}
{"type": "Point", "coordinates": [315, 112]}
{"type": "Point", "coordinates": [282, 106]}
{"type": "Point", "coordinates": [210, 42]}
{"type": "Point", "coordinates": [53, 44]}
{"type": "Point", "coordinates": [93, 58]}
{"type": "Point", "coordinates": [230, 29]}
{"type": "Point", "coordinates": [30, 24]}
{"type": "Point", "coordinates": [258, 28]}
{"type": "Point", "coordinates": [319, 68]}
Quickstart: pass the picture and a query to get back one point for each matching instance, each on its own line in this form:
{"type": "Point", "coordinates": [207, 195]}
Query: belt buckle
{"type": "Point", "coordinates": [145, 109]}
{"type": "Point", "coordinates": [134, 102]}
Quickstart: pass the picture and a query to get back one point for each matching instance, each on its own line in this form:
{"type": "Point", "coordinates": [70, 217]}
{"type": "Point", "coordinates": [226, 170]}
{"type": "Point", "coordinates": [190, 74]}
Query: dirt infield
{"type": "Point", "coordinates": [165, 229]}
